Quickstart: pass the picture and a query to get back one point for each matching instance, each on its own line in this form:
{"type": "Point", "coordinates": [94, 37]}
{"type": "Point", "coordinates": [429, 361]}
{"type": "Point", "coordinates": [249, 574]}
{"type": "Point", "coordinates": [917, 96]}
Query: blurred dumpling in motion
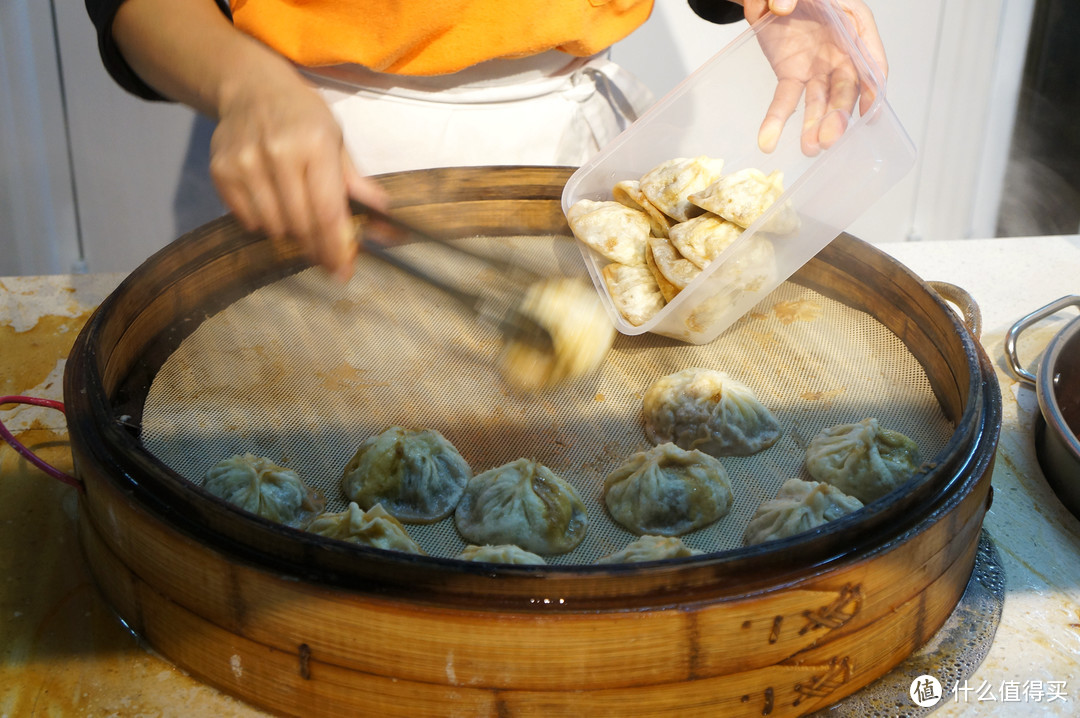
{"type": "Point", "coordinates": [864, 460]}
{"type": "Point", "coordinates": [260, 486]}
{"type": "Point", "coordinates": [417, 476]}
{"type": "Point", "coordinates": [650, 548]}
{"type": "Point", "coordinates": [505, 553]}
{"type": "Point", "coordinates": [581, 335]}
{"type": "Point", "coordinates": [706, 409]}
{"type": "Point", "coordinates": [798, 507]}
{"type": "Point", "coordinates": [616, 231]}
{"type": "Point", "coordinates": [374, 527]}
{"type": "Point", "coordinates": [667, 491]}
{"type": "Point", "coordinates": [522, 503]}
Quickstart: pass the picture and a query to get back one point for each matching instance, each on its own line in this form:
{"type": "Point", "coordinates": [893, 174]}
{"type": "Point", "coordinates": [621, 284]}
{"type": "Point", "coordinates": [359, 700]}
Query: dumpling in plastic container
{"type": "Point", "coordinates": [704, 238]}
{"type": "Point", "coordinates": [614, 230]}
{"type": "Point", "coordinates": [864, 460]}
{"type": "Point", "coordinates": [705, 409]}
{"type": "Point", "coordinates": [374, 527]}
{"type": "Point", "coordinates": [634, 291]}
{"type": "Point", "coordinates": [650, 548]}
{"type": "Point", "coordinates": [669, 185]}
{"type": "Point", "coordinates": [258, 485]}
{"type": "Point", "coordinates": [674, 268]}
{"type": "Point", "coordinates": [741, 197]}
{"type": "Point", "coordinates": [628, 192]}
{"type": "Point", "coordinates": [798, 507]}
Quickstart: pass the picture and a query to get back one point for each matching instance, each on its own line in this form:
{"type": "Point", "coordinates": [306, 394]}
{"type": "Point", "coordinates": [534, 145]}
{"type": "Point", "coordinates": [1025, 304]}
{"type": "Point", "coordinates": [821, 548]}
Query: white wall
{"type": "Point", "coordinates": [954, 73]}
{"type": "Point", "coordinates": [37, 211]}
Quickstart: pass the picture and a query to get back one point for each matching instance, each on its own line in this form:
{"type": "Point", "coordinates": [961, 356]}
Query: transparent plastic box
{"type": "Point", "coordinates": [709, 114]}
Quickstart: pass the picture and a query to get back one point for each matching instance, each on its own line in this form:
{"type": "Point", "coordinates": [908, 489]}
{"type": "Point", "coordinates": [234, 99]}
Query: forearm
{"type": "Point", "coordinates": [189, 52]}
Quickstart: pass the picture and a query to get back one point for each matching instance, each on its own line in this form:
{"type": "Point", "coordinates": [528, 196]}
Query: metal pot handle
{"type": "Point", "coordinates": [30, 455]}
{"type": "Point", "coordinates": [969, 309]}
{"type": "Point", "coordinates": [1011, 361]}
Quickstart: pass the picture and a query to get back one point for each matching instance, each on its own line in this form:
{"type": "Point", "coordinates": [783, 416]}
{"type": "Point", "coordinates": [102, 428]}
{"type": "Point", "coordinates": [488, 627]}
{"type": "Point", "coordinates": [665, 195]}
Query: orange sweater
{"type": "Point", "coordinates": [430, 38]}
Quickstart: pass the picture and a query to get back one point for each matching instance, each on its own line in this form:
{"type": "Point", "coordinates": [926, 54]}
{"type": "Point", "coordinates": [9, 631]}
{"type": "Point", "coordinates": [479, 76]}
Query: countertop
{"type": "Point", "coordinates": [63, 652]}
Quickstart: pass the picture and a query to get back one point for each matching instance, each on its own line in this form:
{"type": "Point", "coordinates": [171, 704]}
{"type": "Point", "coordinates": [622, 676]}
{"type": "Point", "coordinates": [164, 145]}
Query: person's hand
{"type": "Point", "coordinates": [279, 162]}
{"type": "Point", "coordinates": [808, 61]}
{"type": "Point", "coordinates": [277, 156]}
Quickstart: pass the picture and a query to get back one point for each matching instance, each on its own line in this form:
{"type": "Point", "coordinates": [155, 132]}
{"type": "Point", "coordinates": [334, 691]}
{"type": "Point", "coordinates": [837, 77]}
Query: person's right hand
{"type": "Point", "coordinates": [279, 162]}
{"type": "Point", "coordinates": [277, 156]}
{"type": "Point", "coordinates": [810, 64]}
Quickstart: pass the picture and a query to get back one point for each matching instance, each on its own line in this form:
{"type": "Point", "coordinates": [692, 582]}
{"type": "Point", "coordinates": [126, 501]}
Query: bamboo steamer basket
{"type": "Point", "coordinates": [310, 626]}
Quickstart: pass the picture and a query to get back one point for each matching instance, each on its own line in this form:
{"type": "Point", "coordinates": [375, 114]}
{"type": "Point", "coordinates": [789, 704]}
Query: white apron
{"type": "Point", "coordinates": [549, 109]}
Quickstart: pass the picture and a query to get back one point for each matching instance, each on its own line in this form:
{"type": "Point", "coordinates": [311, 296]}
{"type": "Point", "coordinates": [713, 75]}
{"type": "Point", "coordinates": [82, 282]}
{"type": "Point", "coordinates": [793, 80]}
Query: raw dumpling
{"type": "Point", "coordinates": [634, 292]}
{"type": "Point", "coordinates": [799, 506]}
{"type": "Point", "coordinates": [741, 197]}
{"type": "Point", "coordinates": [614, 230]}
{"type": "Point", "coordinates": [629, 192]}
{"type": "Point", "coordinates": [651, 548]}
{"type": "Point", "coordinates": [864, 460]}
{"type": "Point", "coordinates": [708, 410]}
{"type": "Point", "coordinates": [417, 476]}
{"type": "Point", "coordinates": [581, 335]}
{"type": "Point", "coordinates": [374, 527]}
{"type": "Point", "coordinates": [668, 491]}
{"type": "Point", "coordinates": [671, 264]}
{"type": "Point", "coordinates": [669, 184]}
{"type": "Point", "coordinates": [523, 503]}
{"type": "Point", "coordinates": [506, 553]}
{"type": "Point", "coordinates": [260, 486]}
{"type": "Point", "coordinates": [704, 238]}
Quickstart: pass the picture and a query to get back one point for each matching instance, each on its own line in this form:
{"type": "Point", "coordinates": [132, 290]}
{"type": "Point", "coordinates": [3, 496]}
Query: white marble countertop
{"type": "Point", "coordinates": [63, 653]}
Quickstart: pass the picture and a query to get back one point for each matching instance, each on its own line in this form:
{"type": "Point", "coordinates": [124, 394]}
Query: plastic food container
{"type": "Point", "coordinates": [709, 113]}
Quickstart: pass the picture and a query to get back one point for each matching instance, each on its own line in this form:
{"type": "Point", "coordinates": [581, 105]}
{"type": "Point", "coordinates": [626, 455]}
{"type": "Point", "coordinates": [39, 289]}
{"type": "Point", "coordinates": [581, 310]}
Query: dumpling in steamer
{"type": "Point", "coordinates": [375, 528]}
{"type": "Point", "coordinates": [650, 548]}
{"type": "Point", "coordinates": [634, 291]}
{"type": "Point", "coordinates": [667, 491]}
{"type": "Point", "coordinates": [581, 335]}
{"type": "Point", "coordinates": [706, 409]}
{"type": "Point", "coordinates": [417, 476]}
{"type": "Point", "coordinates": [864, 460]}
{"type": "Point", "coordinates": [614, 230]}
{"type": "Point", "coordinates": [522, 503]}
{"type": "Point", "coordinates": [506, 553]}
{"type": "Point", "coordinates": [261, 487]}
{"type": "Point", "coordinates": [798, 507]}
{"type": "Point", "coordinates": [669, 185]}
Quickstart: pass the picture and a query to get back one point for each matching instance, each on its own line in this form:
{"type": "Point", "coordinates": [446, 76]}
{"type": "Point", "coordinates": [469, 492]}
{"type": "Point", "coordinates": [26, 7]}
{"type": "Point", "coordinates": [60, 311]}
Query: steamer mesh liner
{"type": "Point", "coordinates": [302, 370]}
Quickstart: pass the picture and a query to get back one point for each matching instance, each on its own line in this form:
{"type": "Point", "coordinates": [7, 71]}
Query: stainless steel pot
{"type": "Point", "coordinates": [1057, 385]}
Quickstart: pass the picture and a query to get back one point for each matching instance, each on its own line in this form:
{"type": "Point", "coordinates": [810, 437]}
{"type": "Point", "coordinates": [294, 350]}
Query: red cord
{"type": "Point", "coordinates": [29, 455]}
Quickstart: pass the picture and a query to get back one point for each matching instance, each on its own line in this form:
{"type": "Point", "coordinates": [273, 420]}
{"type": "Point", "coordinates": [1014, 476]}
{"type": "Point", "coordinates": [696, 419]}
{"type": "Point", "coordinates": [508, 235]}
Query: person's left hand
{"type": "Point", "coordinates": [808, 61]}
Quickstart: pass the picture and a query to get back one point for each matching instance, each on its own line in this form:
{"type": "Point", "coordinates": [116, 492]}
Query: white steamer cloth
{"type": "Point", "coordinates": [549, 109]}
